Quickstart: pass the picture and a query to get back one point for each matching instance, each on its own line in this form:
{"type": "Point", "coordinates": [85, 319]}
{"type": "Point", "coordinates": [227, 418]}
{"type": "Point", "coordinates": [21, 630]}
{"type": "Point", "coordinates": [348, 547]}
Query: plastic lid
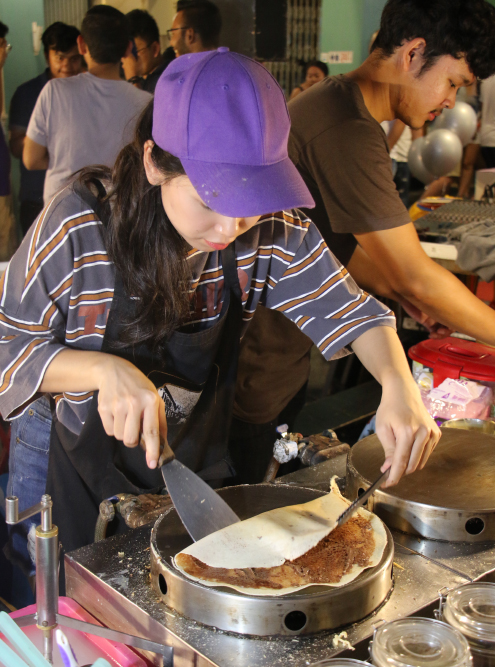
{"type": "Point", "coordinates": [452, 357]}
{"type": "Point", "coordinates": [339, 662]}
{"type": "Point", "coordinates": [471, 609]}
{"type": "Point", "coordinates": [419, 642]}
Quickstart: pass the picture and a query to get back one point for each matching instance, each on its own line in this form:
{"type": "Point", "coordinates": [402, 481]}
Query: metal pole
{"type": "Point", "coordinates": [47, 577]}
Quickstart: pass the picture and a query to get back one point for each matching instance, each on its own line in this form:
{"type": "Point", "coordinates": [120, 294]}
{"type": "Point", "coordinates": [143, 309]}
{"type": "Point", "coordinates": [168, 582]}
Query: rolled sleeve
{"type": "Point", "coordinates": [318, 294]}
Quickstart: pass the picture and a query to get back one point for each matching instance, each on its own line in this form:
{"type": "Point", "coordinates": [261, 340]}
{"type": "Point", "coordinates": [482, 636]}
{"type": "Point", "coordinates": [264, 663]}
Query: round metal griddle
{"type": "Point", "coordinates": [311, 610]}
{"type": "Point", "coordinates": [451, 499]}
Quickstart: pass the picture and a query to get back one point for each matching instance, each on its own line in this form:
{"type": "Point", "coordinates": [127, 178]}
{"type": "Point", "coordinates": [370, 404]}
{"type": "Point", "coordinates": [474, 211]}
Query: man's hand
{"type": "Point", "coordinates": [437, 331]}
{"type": "Point", "coordinates": [16, 141]}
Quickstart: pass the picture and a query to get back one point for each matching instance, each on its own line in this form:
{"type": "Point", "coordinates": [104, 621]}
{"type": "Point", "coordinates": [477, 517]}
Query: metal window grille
{"type": "Point", "coordinates": [68, 11]}
{"type": "Point", "coordinates": [303, 43]}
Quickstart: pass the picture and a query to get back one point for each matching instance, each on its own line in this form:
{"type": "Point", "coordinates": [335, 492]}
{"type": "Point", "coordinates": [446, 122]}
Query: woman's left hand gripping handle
{"type": "Point", "coordinates": [130, 407]}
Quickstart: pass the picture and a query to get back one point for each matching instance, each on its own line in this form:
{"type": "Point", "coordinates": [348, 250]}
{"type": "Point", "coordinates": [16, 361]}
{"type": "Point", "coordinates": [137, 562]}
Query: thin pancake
{"type": "Point", "coordinates": [335, 558]}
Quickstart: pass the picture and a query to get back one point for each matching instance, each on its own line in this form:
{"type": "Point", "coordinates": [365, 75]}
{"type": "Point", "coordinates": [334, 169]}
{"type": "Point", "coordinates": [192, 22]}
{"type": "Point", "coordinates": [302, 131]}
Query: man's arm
{"type": "Point", "coordinates": [16, 141]}
{"type": "Point", "coordinates": [34, 155]}
{"type": "Point", "coordinates": [399, 261]}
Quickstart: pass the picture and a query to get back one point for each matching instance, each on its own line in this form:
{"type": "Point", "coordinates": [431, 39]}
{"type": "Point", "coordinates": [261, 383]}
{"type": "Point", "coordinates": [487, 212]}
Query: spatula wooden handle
{"type": "Point", "coordinates": [166, 454]}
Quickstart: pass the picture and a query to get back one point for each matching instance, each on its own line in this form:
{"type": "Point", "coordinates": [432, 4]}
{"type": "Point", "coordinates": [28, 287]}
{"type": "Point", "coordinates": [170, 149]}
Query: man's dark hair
{"type": "Point", "coordinates": [3, 30]}
{"type": "Point", "coordinates": [457, 28]}
{"type": "Point", "coordinates": [106, 33]}
{"type": "Point", "coordinates": [143, 25]}
{"type": "Point", "coordinates": [204, 18]}
{"type": "Point", "coordinates": [60, 37]}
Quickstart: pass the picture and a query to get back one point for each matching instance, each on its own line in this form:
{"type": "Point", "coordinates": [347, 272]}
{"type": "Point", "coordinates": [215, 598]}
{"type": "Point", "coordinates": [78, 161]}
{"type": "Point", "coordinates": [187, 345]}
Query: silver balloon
{"type": "Point", "coordinates": [442, 152]}
{"type": "Point", "coordinates": [416, 164]}
{"type": "Point", "coordinates": [461, 120]}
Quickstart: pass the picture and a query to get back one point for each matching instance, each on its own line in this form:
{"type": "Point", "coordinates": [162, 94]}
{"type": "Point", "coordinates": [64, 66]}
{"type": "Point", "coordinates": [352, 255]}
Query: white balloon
{"type": "Point", "coordinates": [442, 152]}
{"type": "Point", "coordinates": [415, 162]}
{"type": "Point", "coordinates": [461, 120]}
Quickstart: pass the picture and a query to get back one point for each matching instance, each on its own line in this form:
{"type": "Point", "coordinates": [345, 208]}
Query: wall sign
{"type": "Point", "coordinates": [338, 57]}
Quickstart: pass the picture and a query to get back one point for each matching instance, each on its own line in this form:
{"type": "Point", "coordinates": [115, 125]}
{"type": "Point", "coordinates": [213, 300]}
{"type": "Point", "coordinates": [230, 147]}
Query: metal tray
{"type": "Point", "coordinates": [452, 499]}
{"type": "Point", "coordinates": [311, 610]}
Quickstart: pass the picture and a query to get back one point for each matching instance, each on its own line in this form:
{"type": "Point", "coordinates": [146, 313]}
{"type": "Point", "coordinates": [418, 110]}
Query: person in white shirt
{"type": "Point", "coordinates": [88, 118]}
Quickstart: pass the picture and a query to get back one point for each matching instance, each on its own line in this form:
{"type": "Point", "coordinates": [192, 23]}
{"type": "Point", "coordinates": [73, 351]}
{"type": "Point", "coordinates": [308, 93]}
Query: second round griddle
{"type": "Point", "coordinates": [452, 498]}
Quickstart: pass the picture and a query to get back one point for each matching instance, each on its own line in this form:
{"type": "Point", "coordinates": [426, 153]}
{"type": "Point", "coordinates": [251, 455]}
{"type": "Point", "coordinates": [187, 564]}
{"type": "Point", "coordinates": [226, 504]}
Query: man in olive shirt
{"type": "Point", "coordinates": [423, 54]}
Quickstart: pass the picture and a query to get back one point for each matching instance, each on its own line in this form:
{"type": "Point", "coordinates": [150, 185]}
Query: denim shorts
{"type": "Point", "coordinates": [28, 469]}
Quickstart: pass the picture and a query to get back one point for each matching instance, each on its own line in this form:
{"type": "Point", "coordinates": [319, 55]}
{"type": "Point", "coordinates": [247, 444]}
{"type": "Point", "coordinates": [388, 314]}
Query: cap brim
{"type": "Point", "coordinates": [241, 191]}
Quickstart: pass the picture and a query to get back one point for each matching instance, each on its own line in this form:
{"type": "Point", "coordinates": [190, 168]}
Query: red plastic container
{"type": "Point", "coordinates": [455, 358]}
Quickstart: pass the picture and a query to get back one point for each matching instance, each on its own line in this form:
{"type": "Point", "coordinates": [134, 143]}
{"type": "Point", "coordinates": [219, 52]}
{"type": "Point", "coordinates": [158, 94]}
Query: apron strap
{"type": "Point", "coordinates": [229, 266]}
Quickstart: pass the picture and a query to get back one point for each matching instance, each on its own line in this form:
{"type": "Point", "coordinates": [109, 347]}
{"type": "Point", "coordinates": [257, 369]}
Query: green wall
{"type": "Point", "coordinates": [341, 27]}
{"type": "Point", "coordinates": [348, 26]}
{"type": "Point", "coordinates": [21, 64]}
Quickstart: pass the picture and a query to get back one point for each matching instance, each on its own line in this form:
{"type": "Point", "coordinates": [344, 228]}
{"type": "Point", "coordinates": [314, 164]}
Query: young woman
{"type": "Point", "coordinates": [314, 72]}
{"type": "Point", "coordinates": [127, 300]}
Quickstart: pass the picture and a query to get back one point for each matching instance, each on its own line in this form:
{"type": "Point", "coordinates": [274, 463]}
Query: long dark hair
{"type": "Point", "coordinates": [145, 247]}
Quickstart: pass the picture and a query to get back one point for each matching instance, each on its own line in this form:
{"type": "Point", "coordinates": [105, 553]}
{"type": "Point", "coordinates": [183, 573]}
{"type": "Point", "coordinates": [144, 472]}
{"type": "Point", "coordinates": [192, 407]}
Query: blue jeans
{"type": "Point", "coordinates": [28, 469]}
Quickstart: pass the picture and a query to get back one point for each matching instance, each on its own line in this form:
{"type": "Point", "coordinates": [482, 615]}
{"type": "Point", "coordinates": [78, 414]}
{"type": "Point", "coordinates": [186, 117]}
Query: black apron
{"type": "Point", "coordinates": [84, 470]}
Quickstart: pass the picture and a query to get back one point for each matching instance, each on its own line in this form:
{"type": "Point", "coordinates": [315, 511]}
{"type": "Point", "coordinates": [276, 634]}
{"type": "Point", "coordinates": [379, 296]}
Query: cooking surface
{"type": "Point", "coordinates": [460, 473]}
{"type": "Point", "coordinates": [322, 607]}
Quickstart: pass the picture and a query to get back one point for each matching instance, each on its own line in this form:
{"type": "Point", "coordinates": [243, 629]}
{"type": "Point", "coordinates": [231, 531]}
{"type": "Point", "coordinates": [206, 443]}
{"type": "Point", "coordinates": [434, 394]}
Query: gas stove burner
{"type": "Point", "coordinates": [450, 500]}
{"type": "Point", "coordinates": [310, 610]}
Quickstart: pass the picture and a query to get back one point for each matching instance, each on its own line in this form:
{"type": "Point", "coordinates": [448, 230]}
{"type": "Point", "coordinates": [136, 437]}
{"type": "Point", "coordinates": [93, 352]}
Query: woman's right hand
{"type": "Point", "coordinates": [128, 403]}
{"type": "Point", "coordinates": [129, 406]}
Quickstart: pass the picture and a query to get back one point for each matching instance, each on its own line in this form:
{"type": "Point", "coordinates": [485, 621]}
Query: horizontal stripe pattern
{"type": "Point", "coordinates": [58, 289]}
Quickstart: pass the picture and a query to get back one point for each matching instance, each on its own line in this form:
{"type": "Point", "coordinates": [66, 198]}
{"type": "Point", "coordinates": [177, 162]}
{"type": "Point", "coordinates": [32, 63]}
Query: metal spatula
{"type": "Point", "coordinates": [353, 507]}
{"type": "Point", "coordinates": [201, 509]}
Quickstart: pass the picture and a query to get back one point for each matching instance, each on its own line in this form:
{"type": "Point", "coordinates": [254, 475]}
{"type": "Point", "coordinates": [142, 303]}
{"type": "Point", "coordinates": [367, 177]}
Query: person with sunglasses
{"type": "Point", "coordinates": [196, 27]}
{"type": "Point", "coordinates": [145, 64]}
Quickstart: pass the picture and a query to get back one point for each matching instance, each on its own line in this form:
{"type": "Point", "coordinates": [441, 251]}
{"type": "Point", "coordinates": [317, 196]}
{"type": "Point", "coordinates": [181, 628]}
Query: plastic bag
{"type": "Point", "coordinates": [458, 399]}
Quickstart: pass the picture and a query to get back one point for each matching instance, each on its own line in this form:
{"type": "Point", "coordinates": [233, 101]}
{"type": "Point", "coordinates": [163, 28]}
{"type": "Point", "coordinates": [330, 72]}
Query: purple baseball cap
{"type": "Point", "coordinates": [225, 117]}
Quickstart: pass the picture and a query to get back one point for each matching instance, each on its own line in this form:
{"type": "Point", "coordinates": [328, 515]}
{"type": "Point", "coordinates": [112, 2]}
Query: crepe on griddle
{"type": "Point", "coordinates": [287, 549]}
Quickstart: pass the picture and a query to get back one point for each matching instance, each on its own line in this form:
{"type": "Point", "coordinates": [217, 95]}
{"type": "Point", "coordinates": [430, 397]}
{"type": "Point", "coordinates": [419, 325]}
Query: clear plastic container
{"type": "Point", "coordinates": [470, 609]}
{"type": "Point", "coordinates": [340, 662]}
{"type": "Point", "coordinates": [419, 642]}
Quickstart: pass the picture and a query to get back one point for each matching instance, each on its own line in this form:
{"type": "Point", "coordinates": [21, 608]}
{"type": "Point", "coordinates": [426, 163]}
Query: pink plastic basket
{"type": "Point", "coordinates": [87, 648]}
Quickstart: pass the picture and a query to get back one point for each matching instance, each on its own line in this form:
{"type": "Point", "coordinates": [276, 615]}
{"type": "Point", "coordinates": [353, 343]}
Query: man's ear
{"type": "Point", "coordinates": [156, 49]}
{"type": "Point", "coordinates": [82, 46]}
{"type": "Point", "coordinates": [411, 55]}
{"type": "Point", "coordinates": [153, 174]}
{"type": "Point", "coordinates": [190, 36]}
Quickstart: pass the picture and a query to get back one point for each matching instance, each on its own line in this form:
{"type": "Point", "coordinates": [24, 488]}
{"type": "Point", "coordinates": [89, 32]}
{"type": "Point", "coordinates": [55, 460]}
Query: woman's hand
{"type": "Point", "coordinates": [129, 406]}
{"type": "Point", "coordinates": [407, 432]}
{"type": "Point", "coordinates": [405, 429]}
{"type": "Point", "coordinates": [128, 403]}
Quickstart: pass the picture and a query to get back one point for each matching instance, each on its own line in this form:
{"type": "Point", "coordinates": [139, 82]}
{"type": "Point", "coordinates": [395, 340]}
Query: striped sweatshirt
{"type": "Point", "coordinates": [58, 288]}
